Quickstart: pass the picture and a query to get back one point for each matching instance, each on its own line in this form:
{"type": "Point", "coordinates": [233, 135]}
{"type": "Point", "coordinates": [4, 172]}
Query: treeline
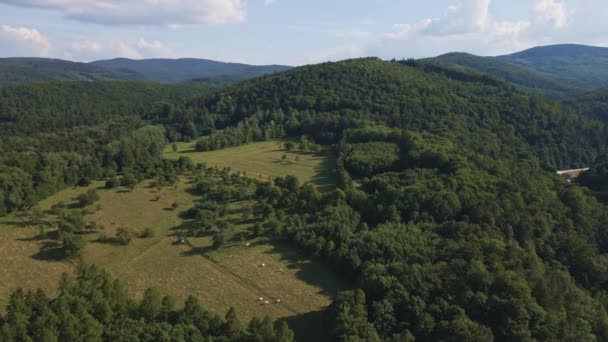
{"type": "Point", "coordinates": [91, 306]}
{"type": "Point", "coordinates": [53, 107]}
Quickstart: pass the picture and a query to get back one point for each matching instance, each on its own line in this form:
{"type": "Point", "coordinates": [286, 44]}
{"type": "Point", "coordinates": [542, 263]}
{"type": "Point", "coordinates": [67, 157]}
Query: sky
{"type": "Point", "coordinates": [292, 32]}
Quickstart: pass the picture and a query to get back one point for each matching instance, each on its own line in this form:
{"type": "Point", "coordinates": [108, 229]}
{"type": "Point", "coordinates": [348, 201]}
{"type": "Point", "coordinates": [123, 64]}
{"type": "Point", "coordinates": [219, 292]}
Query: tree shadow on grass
{"type": "Point", "coordinates": [50, 251]}
{"type": "Point", "coordinates": [310, 271]}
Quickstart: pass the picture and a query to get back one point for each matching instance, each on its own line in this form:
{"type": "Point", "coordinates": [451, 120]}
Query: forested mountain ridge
{"type": "Point", "coordinates": [521, 76]}
{"type": "Point", "coordinates": [582, 66]}
{"type": "Point", "coordinates": [483, 113]}
{"type": "Point", "coordinates": [19, 71]}
{"type": "Point", "coordinates": [15, 71]}
{"type": "Point", "coordinates": [187, 69]}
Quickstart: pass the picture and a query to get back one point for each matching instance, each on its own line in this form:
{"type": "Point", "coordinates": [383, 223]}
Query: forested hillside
{"type": "Point", "coordinates": [16, 71]}
{"type": "Point", "coordinates": [482, 114]}
{"type": "Point", "coordinates": [40, 108]}
{"type": "Point", "coordinates": [580, 66]}
{"type": "Point", "coordinates": [593, 104]}
{"type": "Point", "coordinates": [521, 76]}
{"type": "Point", "coordinates": [457, 229]}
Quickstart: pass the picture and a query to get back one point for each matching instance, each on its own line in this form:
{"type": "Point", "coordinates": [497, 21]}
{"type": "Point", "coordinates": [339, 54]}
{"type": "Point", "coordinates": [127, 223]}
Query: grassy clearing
{"type": "Point", "coordinates": [229, 276]}
{"type": "Point", "coordinates": [263, 160]}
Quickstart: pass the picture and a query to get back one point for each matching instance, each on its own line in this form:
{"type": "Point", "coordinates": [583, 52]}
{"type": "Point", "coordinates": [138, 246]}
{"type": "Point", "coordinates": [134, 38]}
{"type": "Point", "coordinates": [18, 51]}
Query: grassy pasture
{"type": "Point", "coordinates": [229, 276]}
{"type": "Point", "coordinates": [263, 160]}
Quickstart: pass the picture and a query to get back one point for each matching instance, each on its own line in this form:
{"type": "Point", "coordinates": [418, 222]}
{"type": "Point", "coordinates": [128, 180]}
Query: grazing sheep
{"type": "Point", "coordinates": [266, 302]}
{"type": "Point", "coordinates": [278, 301]}
{"type": "Point", "coordinates": [261, 299]}
{"type": "Point", "coordinates": [247, 244]}
{"type": "Point", "coordinates": [263, 265]}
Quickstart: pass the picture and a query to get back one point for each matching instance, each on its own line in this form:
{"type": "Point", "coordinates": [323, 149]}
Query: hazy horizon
{"type": "Point", "coordinates": [291, 33]}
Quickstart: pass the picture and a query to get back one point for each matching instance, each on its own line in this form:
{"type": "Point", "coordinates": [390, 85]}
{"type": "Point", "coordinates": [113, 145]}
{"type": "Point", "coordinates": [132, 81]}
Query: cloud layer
{"type": "Point", "coordinates": [170, 13]}
{"type": "Point", "coordinates": [91, 50]}
{"type": "Point", "coordinates": [23, 41]}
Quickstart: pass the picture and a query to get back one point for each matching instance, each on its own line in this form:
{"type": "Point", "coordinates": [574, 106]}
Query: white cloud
{"type": "Point", "coordinates": [23, 41]}
{"type": "Point", "coordinates": [90, 50]}
{"type": "Point", "coordinates": [144, 12]}
{"type": "Point", "coordinates": [552, 12]}
{"type": "Point", "coordinates": [269, 2]}
{"type": "Point", "coordinates": [468, 26]}
{"type": "Point", "coordinates": [358, 34]}
{"type": "Point", "coordinates": [470, 15]}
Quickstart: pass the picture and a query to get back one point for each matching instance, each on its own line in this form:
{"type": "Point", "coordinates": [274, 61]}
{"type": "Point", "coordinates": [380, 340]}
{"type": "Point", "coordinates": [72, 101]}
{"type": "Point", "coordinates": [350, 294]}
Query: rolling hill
{"type": "Point", "coordinates": [412, 96]}
{"type": "Point", "coordinates": [519, 75]}
{"type": "Point", "coordinates": [582, 66]}
{"type": "Point", "coordinates": [188, 69]}
{"type": "Point", "coordinates": [16, 71]}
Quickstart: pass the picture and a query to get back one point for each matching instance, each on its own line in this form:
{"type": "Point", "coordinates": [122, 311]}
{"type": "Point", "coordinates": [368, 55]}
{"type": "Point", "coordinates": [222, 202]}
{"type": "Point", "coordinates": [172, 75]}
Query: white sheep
{"type": "Point", "coordinates": [261, 299]}
{"type": "Point", "coordinates": [263, 265]}
{"type": "Point", "coordinates": [248, 244]}
{"type": "Point", "coordinates": [278, 301]}
{"type": "Point", "coordinates": [266, 302]}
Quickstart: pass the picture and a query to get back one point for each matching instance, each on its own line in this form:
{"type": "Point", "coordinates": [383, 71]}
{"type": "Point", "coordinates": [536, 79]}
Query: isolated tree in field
{"type": "Point", "coordinates": [72, 244]}
{"type": "Point", "coordinates": [87, 198]}
{"type": "Point", "coordinates": [123, 236]}
{"type": "Point", "coordinates": [174, 147]}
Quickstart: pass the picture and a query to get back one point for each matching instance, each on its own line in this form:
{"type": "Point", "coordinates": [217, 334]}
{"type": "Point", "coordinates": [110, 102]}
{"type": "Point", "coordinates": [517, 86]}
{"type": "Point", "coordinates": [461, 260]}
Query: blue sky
{"type": "Point", "coordinates": [292, 32]}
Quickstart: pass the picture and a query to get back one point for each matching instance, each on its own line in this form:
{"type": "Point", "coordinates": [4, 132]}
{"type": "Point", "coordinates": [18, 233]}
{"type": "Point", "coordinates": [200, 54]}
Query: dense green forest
{"type": "Point", "coordinates": [593, 104]}
{"type": "Point", "coordinates": [91, 306]}
{"type": "Point", "coordinates": [527, 79]}
{"type": "Point", "coordinates": [448, 217]}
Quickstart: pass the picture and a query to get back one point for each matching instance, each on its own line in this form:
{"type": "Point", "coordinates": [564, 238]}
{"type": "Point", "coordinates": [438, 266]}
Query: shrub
{"type": "Point", "coordinates": [147, 233]}
{"type": "Point", "coordinates": [123, 236]}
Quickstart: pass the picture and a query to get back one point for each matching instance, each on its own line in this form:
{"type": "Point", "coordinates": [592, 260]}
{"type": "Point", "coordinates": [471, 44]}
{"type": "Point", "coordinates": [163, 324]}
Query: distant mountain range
{"type": "Point", "coordinates": [188, 69]}
{"type": "Point", "coordinates": [16, 71]}
{"type": "Point", "coordinates": [556, 70]}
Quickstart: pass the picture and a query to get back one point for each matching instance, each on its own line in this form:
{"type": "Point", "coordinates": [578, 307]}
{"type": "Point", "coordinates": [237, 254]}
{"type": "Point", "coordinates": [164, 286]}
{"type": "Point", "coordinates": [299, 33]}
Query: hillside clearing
{"type": "Point", "coordinates": [264, 159]}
